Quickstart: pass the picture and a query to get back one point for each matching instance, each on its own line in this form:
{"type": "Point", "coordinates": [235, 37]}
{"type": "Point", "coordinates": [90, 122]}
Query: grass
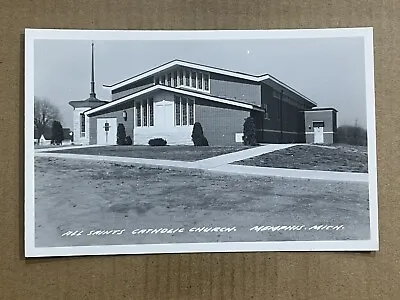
{"type": "Point", "coordinates": [340, 158]}
{"type": "Point", "coordinates": [83, 196]}
{"type": "Point", "coordinates": [183, 153]}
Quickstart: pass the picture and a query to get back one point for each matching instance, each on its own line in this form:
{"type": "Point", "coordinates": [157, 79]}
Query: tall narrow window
{"type": "Point", "coordinates": [169, 79]}
{"type": "Point", "coordinates": [156, 80]}
{"type": "Point", "coordinates": [187, 76]}
{"type": "Point", "coordinates": [193, 76]}
{"type": "Point", "coordinates": [138, 115]}
{"type": "Point", "coordinates": [180, 77]}
{"type": "Point", "coordinates": [199, 81]}
{"type": "Point", "coordinates": [151, 112]}
{"type": "Point", "coordinates": [162, 79]}
{"type": "Point", "coordinates": [184, 111]}
{"type": "Point", "coordinates": [83, 125]}
{"type": "Point", "coordinates": [177, 111]}
{"type": "Point", "coordinates": [144, 106]}
{"type": "Point", "coordinates": [175, 83]}
{"type": "Point", "coordinates": [206, 82]}
{"type": "Point", "coordinates": [191, 111]}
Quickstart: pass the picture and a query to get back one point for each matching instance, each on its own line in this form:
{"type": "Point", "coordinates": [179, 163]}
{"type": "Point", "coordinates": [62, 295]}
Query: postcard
{"type": "Point", "coordinates": [140, 142]}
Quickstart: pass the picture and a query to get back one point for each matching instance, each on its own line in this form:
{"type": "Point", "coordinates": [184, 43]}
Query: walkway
{"type": "Point", "coordinates": [240, 155]}
{"type": "Point", "coordinates": [220, 164]}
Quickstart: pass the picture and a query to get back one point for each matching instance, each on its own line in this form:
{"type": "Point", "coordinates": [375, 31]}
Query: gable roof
{"type": "Point", "coordinates": [174, 63]}
{"type": "Point", "coordinates": [175, 90]}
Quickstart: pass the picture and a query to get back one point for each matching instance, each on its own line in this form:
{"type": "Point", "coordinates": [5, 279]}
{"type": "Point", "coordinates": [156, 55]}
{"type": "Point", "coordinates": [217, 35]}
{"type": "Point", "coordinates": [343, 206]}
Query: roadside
{"type": "Point", "coordinates": [85, 195]}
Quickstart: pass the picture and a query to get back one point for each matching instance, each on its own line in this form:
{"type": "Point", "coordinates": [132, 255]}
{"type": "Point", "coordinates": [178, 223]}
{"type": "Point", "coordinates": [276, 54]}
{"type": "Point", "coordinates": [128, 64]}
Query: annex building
{"type": "Point", "coordinates": [166, 101]}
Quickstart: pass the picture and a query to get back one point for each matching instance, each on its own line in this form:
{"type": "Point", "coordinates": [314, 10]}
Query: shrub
{"type": "Point", "coordinates": [57, 133]}
{"type": "Point", "coordinates": [249, 132]}
{"type": "Point", "coordinates": [198, 137]}
{"type": "Point", "coordinates": [157, 142]}
{"type": "Point", "coordinates": [121, 134]}
{"type": "Point", "coordinates": [128, 140]}
{"type": "Point", "coordinates": [352, 135]}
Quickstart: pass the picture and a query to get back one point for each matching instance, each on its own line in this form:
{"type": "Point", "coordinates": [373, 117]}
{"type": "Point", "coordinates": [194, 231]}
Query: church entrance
{"type": "Point", "coordinates": [107, 131]}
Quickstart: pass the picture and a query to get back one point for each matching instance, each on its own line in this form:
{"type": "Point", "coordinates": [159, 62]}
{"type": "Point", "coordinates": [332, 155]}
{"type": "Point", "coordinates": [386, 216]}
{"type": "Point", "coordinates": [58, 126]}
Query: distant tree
{"type": "Point", "coordinates": [57, 133]}
{"type": "Point", "coordinates": [249, 132]}
{"type": "Point", "coordinates": [121, 134]}
{"type": "Point", "coordinates": [352, 135]}
{"type": "Point", "coordinates": [198, 137]}
{"type": "Point", "coordinates": [44, 114]}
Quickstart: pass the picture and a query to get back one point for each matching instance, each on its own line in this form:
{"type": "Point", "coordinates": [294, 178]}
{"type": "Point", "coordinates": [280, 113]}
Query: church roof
{"type": "Point", "coordinates": [158, 87]}
{"type": "Point", "coordinates": [89, 102]}
{"type": "Point", "coordinates": [266, 78]}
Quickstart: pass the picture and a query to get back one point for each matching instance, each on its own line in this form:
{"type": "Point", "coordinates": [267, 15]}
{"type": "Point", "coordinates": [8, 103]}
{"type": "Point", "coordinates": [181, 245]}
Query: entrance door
{"type": "Point", "coordinates": [107, 131]}
{"type": "Point", "coordinates": [164, 116]}
{"type": "Point", "coordinates": [318, 132]}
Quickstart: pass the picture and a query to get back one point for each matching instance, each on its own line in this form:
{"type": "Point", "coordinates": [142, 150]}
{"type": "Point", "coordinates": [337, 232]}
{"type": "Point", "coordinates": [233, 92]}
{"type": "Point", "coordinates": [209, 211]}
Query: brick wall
{"type": "Point", "coordinates": [220, 122]}
{"type": "Point", "coordinates": [233, 88]}
{"type": "Point", "coordinates": [330, 124]}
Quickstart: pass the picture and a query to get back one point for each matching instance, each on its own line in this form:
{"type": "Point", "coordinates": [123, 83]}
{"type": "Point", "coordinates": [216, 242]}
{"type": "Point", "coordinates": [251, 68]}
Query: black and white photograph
{"type": "Point", "coordinates": [199, 141]}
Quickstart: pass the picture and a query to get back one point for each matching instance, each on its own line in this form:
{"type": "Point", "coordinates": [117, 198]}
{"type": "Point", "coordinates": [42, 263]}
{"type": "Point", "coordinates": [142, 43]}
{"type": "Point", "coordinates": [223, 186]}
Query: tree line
{"type": "Point", "coordinates": [47, 118]}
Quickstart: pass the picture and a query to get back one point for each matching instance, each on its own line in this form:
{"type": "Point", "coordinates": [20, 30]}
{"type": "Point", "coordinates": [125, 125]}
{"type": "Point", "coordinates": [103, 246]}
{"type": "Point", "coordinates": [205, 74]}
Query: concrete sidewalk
{"type": "Point", "coordinates": [240, 155]}
{"type": "Point", "coordinates": [221, 165]}
{"type": "Point", "coordinates": [290, 173]}
{"type": "Point", "coordinates": [61, 148]}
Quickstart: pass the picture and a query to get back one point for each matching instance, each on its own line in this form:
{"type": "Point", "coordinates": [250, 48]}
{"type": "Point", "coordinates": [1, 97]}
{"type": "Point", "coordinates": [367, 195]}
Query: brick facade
{"type": "Point", "coordinates": [235, 89]}
{"type": "Point", "coordinates": [220, 122]}
{"type": "Point", "coordinates": [329, 117]}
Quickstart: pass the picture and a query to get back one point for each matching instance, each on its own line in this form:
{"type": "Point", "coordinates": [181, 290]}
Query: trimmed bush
{"type": "Point", "coordinates": [352, 135]}
{"type": "Point", "coordinates": [198, 137]}
{"type": "Point", "coordinates": [128, 140]}
{"type": "Point", "coordinates": [121, 134]}
{"type": "Point", "coordinates": [249, 132]}
{"type": "Point", "coordinates": [157, 142]}
{"type": "Point", "coordinates": [57, 133]}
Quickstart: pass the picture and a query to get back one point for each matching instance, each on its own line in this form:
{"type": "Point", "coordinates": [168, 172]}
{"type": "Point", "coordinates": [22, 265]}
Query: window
{"type": "Point", "coordinates": [193, 77]}
{"type": "Point", "coordinates": [138, 114]}
{"type": "Point", "coordinates": [180, 77]}
{"type": "Point", "coordinates": [144, 109]}
{"type": "Point", "coordinates": [187, 83]}
{"type": "Point", "coordinates": [206, 82]}
{"type": "Point", "coordinates": [162, 79]}
{"type": "Point", "coordinates": [177, 111]}
{"type": "Point", "coordinates": [151, 112]}
{"type": "Point", "coordinates": [199, 81]}
{"type": "Point", "coordinates": [191, 111]}
{"type": "Point", "coordinates": [83, 125]}
{"type": "Point", "coordinates": [169, 79]}
{"type": "Point", "coordinates": [184, 111]}
{"type": "Point", "coordinates": [156, 80]}
{"type": "Point", "coordinates": [175, 78]}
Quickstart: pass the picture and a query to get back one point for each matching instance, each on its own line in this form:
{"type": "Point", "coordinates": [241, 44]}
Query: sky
{"type": "Point", "coordinates": [330, 71]}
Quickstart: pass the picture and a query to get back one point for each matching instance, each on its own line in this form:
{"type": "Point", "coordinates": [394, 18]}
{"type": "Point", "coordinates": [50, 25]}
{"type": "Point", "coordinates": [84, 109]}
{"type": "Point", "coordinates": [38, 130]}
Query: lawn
{"type": "Point", "coordinates": [73, 195]}
{"type": "Point", "coordinates": [340, 158]}
{"type": "Point", "coordinates": [183, 153]}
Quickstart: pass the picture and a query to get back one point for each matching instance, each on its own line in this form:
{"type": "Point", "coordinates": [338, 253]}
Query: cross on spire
{"type": "Point", "coordinates": [92, 92]}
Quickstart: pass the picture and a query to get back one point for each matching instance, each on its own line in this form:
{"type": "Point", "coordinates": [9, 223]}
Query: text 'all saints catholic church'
{"type": "Point", "coordinates": [166, 101]}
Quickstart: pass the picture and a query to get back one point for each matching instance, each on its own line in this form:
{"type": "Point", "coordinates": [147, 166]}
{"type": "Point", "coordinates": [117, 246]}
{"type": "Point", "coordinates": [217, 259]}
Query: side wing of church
{"type": "Point", "coordinates": [166, 101]}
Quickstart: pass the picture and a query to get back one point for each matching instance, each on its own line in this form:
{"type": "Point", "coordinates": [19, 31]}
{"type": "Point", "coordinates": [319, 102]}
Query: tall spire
{"type": "Point", "coordinates": [92, 92]}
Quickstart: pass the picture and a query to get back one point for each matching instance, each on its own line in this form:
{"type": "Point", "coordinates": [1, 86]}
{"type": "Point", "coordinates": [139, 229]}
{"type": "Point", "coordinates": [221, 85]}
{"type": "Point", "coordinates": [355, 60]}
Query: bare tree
{"type": "Point", "coordinates": [44, 114]}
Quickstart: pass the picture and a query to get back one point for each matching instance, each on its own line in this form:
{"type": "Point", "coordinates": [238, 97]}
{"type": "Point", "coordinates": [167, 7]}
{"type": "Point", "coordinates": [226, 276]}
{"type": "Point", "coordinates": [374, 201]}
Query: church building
{"type": "Point", "coordinates": [166, 101]}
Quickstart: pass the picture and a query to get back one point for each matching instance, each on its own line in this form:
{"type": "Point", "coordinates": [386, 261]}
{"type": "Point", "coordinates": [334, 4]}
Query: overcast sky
{"type": "Point", "coordinates": [329, 71]}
